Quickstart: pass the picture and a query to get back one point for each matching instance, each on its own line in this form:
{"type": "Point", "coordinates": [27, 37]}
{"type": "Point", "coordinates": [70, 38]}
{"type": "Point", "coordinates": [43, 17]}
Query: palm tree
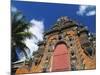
{"type": "Point", "coordinates": [20, 32]}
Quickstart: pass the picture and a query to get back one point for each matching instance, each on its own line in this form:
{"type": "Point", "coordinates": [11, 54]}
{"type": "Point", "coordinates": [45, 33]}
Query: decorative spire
{"type": "Point", "coordinates": [63, 18]}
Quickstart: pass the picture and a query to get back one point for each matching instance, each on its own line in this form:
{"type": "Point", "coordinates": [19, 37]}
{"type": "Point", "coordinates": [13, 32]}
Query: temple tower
{"type": "Point", "coordinates": [67, 47]}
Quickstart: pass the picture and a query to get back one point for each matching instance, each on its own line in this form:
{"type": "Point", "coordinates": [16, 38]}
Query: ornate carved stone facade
{"type": "Point", "coordinates": [67, 42]}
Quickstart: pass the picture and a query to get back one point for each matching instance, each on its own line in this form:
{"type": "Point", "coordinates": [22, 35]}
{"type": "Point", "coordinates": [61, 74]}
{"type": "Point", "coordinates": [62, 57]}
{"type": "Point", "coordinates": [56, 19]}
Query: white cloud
{"type": "Point", "coordinates": [81, 10]}
{"type": "Point", "coordinates": [37, 30]}
{"type": "Point", "coordinates": [13, 9]}
{"type": "Point", "coordinates": [86, 10]}
{"type": "Point", "coordinates": [91, 13]}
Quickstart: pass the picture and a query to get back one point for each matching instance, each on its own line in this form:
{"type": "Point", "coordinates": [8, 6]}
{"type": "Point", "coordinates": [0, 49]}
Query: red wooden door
{"type": "Point", "coordinates": [61, 61]}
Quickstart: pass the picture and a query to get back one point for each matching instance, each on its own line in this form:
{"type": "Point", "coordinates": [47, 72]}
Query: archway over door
{"type": "Point", "coordinates": [61, 60]}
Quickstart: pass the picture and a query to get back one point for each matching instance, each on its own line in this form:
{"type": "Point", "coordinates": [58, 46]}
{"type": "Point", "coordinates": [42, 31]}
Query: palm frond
{"type": "Point", "coordinates": [24, 35]}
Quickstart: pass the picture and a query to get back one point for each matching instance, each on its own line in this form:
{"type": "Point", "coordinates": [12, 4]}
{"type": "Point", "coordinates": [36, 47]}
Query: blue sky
{"type": "Point", "coordinates": [50, 12]}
